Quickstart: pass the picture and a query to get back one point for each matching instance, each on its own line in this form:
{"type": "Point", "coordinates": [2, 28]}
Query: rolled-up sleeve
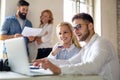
{"type": "Point", "coordinates": [5, 27]}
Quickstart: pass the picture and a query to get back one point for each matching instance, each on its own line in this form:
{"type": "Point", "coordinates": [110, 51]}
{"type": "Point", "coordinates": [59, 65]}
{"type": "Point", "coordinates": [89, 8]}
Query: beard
{"type": "Point", "coordinates": [85, 36]}
{"type": "Point", "coordinates": [22, 15]}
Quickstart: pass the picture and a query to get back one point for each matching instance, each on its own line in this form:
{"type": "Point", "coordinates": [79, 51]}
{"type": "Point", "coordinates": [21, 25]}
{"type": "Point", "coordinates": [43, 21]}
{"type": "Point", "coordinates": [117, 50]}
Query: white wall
{"type": "Point", "coordinates": [97, 16]}
{"type": "Point", "coordinates": [105, 17]}
{"type": "Point", "coordinates": [0, 12]}
{"type": "Point", "coordinates": [109, 21]}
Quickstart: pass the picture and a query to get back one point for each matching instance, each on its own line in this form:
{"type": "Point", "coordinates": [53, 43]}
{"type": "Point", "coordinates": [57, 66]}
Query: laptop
{"type": "Point", "coordinates": [18, 58]}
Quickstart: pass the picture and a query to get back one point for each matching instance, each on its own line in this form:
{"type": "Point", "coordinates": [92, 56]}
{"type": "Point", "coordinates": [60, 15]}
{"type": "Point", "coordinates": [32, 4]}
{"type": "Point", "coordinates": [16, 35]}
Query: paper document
{"type": "Point", "coordinates": [27, 31]}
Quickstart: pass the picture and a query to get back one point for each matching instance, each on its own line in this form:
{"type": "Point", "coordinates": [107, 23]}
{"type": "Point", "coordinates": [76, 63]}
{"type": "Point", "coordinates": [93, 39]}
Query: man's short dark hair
{"type": "Point", "coordinates": [83, 16]}
{"type": "Point", "coordinates": [22, 3]}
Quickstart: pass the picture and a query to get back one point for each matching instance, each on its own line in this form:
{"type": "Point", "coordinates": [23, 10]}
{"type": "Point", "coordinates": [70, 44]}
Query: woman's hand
{"type": "Point", "coordinates": [31, 38]}
{"type": "Point", "coordinates": [56, 49]}
{"type": "Point", "coordinates": [39, 40]}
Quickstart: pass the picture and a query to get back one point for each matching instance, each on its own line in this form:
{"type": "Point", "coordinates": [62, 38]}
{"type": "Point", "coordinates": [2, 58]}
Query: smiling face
{"type": "Point", "coordinates": [64, 34]}
{"type": "Point", "coordinates": [22, 12]}
{"type": "Point", "coordinates": [83, 26]}
{"type": "Point", "coordinates": [82, 30]}
{"type": "Point", "coordinates": [45, 17]}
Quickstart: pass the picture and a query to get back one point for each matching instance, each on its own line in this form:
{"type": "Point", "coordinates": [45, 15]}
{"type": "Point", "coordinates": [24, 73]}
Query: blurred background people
{"type": "Point", "coordinates": [13, 25]}
{"type": "Point", "coordinates": [43, 41]}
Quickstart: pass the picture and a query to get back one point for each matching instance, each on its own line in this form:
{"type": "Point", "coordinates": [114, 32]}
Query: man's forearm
{"type": "Point", "coordinates": [4, 37]}
{"type": "Point", "coordinates": [55, 69]}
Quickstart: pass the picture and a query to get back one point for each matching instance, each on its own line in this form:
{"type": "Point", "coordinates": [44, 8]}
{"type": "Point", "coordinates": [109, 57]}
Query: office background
{"type": "Point", "coordinates": [106, 16]}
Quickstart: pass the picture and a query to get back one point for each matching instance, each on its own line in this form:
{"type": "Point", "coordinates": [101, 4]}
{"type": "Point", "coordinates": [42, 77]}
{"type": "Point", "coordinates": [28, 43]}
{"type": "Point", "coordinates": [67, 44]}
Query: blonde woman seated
{"type": "Point", "coordinates": [68, 45]}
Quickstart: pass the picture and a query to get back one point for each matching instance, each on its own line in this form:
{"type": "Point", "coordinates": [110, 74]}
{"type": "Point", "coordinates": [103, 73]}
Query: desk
{"type": "Point", "coordinates": [15, 76]}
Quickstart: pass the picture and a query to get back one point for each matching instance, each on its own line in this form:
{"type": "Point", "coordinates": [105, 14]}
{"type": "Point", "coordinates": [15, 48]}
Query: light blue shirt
{"type": "Point", "coordinates": [67, 53]}
{"type": "Point", "coordinates": [11, 26]}
{"type": "Point", "coordinates": [64, 53]}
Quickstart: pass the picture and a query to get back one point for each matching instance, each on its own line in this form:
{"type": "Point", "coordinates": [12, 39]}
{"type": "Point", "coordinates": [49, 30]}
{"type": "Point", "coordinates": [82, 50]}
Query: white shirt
{"type": "Point", "coordinates": [46, 39]}
{"type": "Point", "coordinates": [97, 57]}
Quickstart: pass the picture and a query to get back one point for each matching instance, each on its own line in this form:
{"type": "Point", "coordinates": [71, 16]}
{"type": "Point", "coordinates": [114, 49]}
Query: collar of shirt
{"type": "Point", "coordinates": [69, 49]}
{"type": "Point", "coordinates": [94, 37]}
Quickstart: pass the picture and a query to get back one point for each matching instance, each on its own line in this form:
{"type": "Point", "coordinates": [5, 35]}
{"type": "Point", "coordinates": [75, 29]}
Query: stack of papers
{"type": "Point", "coordinates": [27, 31]}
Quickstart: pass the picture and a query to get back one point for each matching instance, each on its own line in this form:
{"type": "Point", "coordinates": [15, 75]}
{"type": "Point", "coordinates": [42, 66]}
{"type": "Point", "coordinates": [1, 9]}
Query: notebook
{"type": "Point", "coordinates": [18, 58]}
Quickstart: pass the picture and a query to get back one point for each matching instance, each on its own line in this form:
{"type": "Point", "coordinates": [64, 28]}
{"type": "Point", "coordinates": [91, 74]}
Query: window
{"type": "Point", "coordinates": [2, 11]}
{"type": "Point", "coordinates": [72, 7]}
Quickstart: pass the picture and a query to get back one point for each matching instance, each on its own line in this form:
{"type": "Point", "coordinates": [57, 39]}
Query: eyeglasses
{"type": "Point", "coordinates": [77, 26]}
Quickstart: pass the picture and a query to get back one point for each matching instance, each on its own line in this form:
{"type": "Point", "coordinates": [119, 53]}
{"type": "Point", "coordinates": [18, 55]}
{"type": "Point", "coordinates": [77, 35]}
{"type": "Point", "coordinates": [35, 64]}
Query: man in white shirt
{"type": "Point", "coordinates": [96, 57]}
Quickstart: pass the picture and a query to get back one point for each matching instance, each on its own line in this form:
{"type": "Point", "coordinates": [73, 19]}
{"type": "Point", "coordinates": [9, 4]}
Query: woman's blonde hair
{"type": "Point", "coordinates": [74, 38]}
{"type": "Point", "coordinates": [50, 16]}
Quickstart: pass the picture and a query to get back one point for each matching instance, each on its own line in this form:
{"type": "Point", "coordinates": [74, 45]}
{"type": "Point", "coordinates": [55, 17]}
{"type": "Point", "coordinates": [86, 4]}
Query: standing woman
{"type": "Point", "coordinates": [43, 41]}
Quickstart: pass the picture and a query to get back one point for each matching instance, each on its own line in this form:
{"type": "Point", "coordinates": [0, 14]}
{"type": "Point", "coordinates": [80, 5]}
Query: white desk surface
{"type": "Point", "coordinates": [15, 76]}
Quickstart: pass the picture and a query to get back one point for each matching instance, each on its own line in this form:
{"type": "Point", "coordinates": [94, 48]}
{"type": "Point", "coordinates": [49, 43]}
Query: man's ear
{"type": "Point", "coordinates": [18, 8]}
{"type": "Point", "coordinates": [91, 26]}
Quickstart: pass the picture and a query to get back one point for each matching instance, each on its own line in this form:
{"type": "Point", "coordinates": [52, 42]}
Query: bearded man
{"type": "Point", "coordinates": [13, 25]}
